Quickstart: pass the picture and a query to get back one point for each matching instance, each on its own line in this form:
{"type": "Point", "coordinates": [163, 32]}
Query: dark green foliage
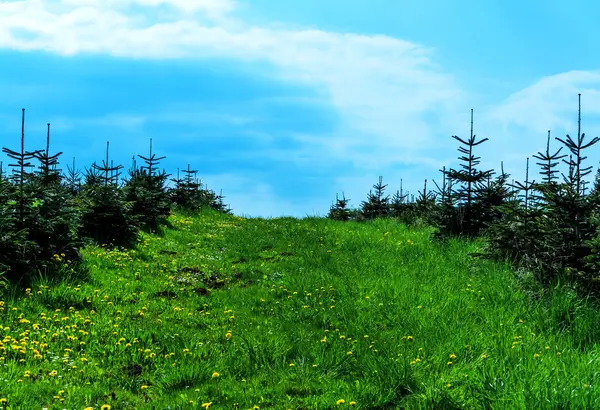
{"type": "Point", "coordinates": [72, 179]}
{"type": "Point", "coordinates": [147, 192]}
{"type": "Point", "coordinates": [377, 205]}
{"type": "Point", "coordinates": [107, 174]}
{"type": "Point", "coordinates": [107, 217]}
{"type": "Point", "coordinates": [398, 204]}
{"type": "Point", "coordinates": [554, 229]}
{"type": "Point", "coordinates": [549, 162]}
{"type": "Point", "coordinates": [445, 212]}
{"type": "Point", "coordinates": [569, 213]}
{"type": "Point", "coordinates": [513, 227]}
{"type": "Point", "coordinates": [20, 175]}
{"type": "Point", "coordinates": [549, 227]}
{"type": "Point", "coordinates": [92, 177]}
{"type": "Point", "coordinates": [45, 216]}
{"type": "Point", "coordinates": [51, 220]}
{"type": "Point", "coordinates": [591, 274]}
{"type": "Point", "coordinates": [493, 195]}
{"type": "Point", "coordinates": [15, 249]}
{"type": "Point", "coordinates": [43, 222]}
{"type": "Point", "coordinates": [339, 210]}
{"type": "Point", "coordinates": [565, 229]}
{"type": "Point", "coordinates": [186, 194]}
{"type": "Point", "coordinates": [517, 235]}
{"type": "Point", "coordinates": [425, 203]}
{"type": "Point", "coordinates": [48, 163]}
{"type": "Point", "coordinates": [149, 198]}
{"type": "Point", "coordinates": [466, 215]}
{"type": "Point", "coordinates": [214, 201]}
{"type": "Point", "coordinates": [189, 195]}
{"type": "Point", "coordinates": [524, 190]}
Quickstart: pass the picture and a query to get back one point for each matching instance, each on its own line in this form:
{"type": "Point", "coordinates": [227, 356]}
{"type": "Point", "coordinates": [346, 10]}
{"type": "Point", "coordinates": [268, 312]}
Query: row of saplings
{"type": "Point", "coordinates": [47, 215]}
{"type": "Point", "coordinates": [549, 227]}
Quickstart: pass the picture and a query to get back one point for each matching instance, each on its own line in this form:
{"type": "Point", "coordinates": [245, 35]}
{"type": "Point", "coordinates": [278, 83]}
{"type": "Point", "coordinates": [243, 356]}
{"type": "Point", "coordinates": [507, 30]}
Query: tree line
{"type": "Point", "coordinates": [549, 226]}
{"type": "Point", "coordinates": [48, 214]}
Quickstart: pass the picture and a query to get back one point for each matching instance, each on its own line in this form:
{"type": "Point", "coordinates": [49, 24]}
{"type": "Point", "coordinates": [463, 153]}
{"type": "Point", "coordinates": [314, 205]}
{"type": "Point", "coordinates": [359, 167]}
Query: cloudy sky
{"type": "Point", "coordinates": [283, 104]}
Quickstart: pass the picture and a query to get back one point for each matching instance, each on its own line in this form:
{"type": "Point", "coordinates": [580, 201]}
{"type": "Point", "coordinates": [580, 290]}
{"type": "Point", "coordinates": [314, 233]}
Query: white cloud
{"type": "Point", "coordinates": [518, 126]}
{"type": "Point", "coordinates": [381, 87]}
{"type": "Point", "coordinates": [551, 103]}
{"type": "Point", "coordinates": [214, 8]}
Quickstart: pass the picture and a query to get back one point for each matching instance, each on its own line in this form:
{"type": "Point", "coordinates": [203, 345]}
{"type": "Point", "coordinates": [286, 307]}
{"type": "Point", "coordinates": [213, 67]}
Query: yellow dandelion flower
{"type": "Point", "coordinates": [215, 374]}
{"type": "Point", "coordinates": [105, 407]}
{"type": "Point", "coordinates": [206, 405]}
{"type": "Point", "coordinates": [340, 401]}
{"type": "Point", "coordinates": [353, 403]}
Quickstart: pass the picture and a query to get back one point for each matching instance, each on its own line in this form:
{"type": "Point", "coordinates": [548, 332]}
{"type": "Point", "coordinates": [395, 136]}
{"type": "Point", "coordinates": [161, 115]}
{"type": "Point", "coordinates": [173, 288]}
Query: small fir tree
{"type": "Point", "coordinates": [377, 204]}
{"type": "Point", "coordinates": [339, 210]}
{"type": "Point", "coordinates": [469, 179]}
{"type": "Point", "coordinates": [107, 216]}
{"type": "Point", "coordinates": [147, 192]}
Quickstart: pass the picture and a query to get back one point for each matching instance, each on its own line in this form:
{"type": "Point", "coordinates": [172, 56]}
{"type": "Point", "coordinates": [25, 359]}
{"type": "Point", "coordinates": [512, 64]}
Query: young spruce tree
{"type": "Point", "coordinates": [465, 218]}
{"type": "Point", "coordinates": [377, 205]}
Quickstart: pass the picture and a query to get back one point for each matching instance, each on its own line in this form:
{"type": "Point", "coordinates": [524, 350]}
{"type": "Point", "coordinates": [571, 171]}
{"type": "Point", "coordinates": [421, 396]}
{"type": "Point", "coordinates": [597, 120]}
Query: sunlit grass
{"type": "Point", "coordinates": [224, 313]}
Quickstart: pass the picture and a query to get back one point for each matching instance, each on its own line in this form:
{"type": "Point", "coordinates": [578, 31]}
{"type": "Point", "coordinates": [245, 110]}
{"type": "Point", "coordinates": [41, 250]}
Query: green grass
{"type": "Point", "coordinates": [296, 314]}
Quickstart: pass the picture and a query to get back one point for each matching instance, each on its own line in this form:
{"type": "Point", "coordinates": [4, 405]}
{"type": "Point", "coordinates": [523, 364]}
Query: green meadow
{"type": "Point", "coordinates": [222, 312]}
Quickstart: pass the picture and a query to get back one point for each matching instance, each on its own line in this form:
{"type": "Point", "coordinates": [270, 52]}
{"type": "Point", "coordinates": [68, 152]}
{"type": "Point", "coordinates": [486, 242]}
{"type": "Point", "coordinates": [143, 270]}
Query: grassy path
{"type": "Point", "coordinates": [229, 313]}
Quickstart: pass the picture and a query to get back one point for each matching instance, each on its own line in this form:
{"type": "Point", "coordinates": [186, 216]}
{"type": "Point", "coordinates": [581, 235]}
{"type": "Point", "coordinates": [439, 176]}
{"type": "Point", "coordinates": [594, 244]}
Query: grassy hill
{"type": "Point", "coordinates": [222, 312]}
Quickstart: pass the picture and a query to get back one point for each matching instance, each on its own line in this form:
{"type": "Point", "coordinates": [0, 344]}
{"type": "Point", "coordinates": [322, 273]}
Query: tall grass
{"type": "Point", "coordinates": [222, 312]}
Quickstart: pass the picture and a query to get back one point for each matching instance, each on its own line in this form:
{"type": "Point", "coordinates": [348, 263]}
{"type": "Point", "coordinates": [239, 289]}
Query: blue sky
{"type": "Point", "coordinates": [284, 104]}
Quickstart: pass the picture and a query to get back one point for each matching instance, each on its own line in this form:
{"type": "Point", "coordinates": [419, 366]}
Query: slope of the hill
{"type": "Point", "coordinates": [228, 313]}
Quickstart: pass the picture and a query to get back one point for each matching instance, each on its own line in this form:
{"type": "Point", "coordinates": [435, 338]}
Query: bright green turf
{"type": "Point", "coordinates": [302, 314]}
